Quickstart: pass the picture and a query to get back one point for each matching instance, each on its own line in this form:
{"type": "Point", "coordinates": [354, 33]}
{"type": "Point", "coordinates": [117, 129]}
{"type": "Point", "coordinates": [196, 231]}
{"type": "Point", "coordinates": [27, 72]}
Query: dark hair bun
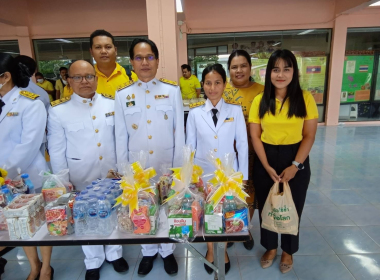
{"type": "Point", "coordinates": [23, 75]}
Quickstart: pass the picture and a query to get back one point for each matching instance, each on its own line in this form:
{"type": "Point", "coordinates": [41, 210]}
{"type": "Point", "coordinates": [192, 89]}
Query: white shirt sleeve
{"type": "Point", "coordinates": [121, 133]}
{"type": "Point", "coordinates": [242, 143]}
{"type": "Point", "coordinates": [179, 129]}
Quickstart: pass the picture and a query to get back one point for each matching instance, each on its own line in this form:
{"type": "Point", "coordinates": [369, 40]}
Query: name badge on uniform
{"type": "Point", "coordinates": [131, 103]}
{"type": "Point", "coordinates": [110, 114]}
{"type": "Point", "coordinates": [162, 96]}
{"type": "Point", "coordinates": [12, 114]}
{"type": "Point", "coordinates": [229, 120]}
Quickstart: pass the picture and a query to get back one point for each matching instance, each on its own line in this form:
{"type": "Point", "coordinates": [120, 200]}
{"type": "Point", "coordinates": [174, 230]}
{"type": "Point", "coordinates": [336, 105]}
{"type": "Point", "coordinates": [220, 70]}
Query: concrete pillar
{"type": "Point", "coordinates": [182, 47]}
{"type": "Point", "coordinates": [24, 41]}
{"type": "Point", "coordinates": [162, 25]}
{"type": "Point", "coordinates": [336, 70]}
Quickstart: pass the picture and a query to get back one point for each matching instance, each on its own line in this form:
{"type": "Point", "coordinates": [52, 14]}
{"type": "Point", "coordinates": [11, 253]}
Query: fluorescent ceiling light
{"type": "Point", "coordinates": [179, 6]}
{"type": "Point", "coordinates": [64, 41]}
{"type": "Point", "coordinates": [275, 44]}
{"type": "Point", "coordinates": [375, 4]}
{"type": "Point", "coordinates": [12, 52]}
{"type": "Point", "coordinates": [306, 32]}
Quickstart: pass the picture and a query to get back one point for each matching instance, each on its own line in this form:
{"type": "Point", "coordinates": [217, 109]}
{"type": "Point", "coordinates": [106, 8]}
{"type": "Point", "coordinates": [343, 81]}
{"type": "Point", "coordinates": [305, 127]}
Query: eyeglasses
{"type": "Point", "coordinates": [149, 58]}
{"type": "Point", "coordinates": [79, 79]}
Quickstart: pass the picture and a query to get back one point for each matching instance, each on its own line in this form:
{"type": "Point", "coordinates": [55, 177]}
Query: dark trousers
{"type": "Point", "coordinates": [279, 158]}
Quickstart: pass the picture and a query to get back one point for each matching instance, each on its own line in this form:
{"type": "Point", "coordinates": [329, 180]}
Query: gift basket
{"type": "Point", "coordinates": [139, 211]}
{"type": "Point", "coordinates": [59, 220]}
{"type": "Point", "coordinates": [226, 209]}
{"type": "Point", "coordinates": [55, 185]}
{"type": "Point", "coordinates": [25, 215]}
{"type": "Point", "coordinates": [186, 199]}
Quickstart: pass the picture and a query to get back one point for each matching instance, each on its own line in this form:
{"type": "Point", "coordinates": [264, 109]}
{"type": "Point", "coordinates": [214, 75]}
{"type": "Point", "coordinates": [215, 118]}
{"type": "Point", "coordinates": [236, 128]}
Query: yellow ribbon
{"type": "Point", "coordinates": [227, 184]}
{"type": "Point", "coordinates": [141, 183]}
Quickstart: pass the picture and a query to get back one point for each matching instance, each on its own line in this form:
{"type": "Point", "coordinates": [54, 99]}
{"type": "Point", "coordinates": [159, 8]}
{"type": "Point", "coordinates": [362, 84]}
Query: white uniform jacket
{"type": "Point", "coordinates": [203, 136]}
{"type": "Point", "coordinates": [149, 116]}
{"type": "Point", "coordinates": [22, 129]}
{"type": "Point", "coordinates": [44, 96]}
{"type": "Point", "coordinates": [81, 137]}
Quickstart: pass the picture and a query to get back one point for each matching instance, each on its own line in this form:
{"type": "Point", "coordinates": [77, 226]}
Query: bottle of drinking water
{"type": "Point", "coordinates": [187, 202]}
{"type": "Point", "coordinates": [80, 216]}
{"type": "Point", "coordinates": [104, 213]}
{"type": "Point", "coordinates": [28, 182]}
{"type": "Point", "coordinates": [229, 204]}
{"type": "Point", "coordinates": [92, 216]}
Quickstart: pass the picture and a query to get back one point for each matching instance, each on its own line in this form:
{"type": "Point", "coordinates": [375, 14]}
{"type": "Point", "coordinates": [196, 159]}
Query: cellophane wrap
{"type": "Point", "coordinates": [55, 185]}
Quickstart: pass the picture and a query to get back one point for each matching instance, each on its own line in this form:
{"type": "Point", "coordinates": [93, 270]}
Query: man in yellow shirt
{"type": "Point", "coordinates": [189, 84]}
{"type": "Point", "coordinates": [45, 84]}
{"type": "Point", "coordinates": [111, 75]}
{"type": "Point", "coordinates": [61, 83]}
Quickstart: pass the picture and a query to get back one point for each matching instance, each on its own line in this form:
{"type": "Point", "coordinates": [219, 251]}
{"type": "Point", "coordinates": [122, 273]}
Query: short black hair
{"type": "Point", "coordinates": [62, 68]}
{"type": "Point", "coordinates": [100, 32]}
{"type": "Point", "coordinates": [218, 68]}
{"type": "Point", "coordinates": [39, 74]}
{"type": "Point", "coordinates": [19, 72]}
{"type": "Point", "coordinates": [143, 40]}
{"type": "Point", "coordinates": [186, 66]}
{"type": "Point", "coordinates": [28, 62]}
{"type": "Point", "coordinates": [236, 53]}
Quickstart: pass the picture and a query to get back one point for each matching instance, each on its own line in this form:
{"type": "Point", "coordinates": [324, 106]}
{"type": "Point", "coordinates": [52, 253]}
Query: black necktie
{"type": "Point", "coordinates": [1, 105]}
{"type": "Point", "coordinates": [214, 117]}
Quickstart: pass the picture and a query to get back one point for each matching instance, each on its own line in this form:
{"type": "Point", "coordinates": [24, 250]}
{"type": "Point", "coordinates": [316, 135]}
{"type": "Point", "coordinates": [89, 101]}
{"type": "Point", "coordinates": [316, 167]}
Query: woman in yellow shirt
{"type": "Point", "coordinates": [241, 89]}
{"type": "Point", "coordinates": [283, 122]}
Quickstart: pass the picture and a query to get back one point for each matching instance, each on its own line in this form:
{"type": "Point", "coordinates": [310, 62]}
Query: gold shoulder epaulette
{"type": "Point", "coordinates": [108, 96]}
{"type": "Point", "coordinates": [125, 85]}
{"type": "Point", "coordinates": [60, 101]}
{"type": "Point", "coordinates": [29, 94]}
{"type": "Point", "coordinates": [232, 102]}
{"type": "Point", "coordinates": [196, 104]}
{"type": "Point", "coordinates": [168, 82]}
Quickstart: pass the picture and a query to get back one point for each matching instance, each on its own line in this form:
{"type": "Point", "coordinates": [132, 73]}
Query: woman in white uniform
{"type": "Point", "coordinates": [216, 125]}
{"type": "Point", "coordinates": [22, 126]}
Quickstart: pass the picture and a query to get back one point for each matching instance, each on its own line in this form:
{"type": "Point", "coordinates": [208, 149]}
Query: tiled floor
{"type": "Point", "coordinates": [340, 227]}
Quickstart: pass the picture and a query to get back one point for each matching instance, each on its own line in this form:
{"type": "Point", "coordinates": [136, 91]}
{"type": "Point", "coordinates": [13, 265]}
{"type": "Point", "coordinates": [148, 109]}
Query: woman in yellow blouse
{"type": "Point", "coordinates": [241, 89]}
{"type": "Point", "coordinates": [283, 122]}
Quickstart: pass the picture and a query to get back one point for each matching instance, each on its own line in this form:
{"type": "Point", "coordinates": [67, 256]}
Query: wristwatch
{"type": "Point", "coordinates": [300, 166]}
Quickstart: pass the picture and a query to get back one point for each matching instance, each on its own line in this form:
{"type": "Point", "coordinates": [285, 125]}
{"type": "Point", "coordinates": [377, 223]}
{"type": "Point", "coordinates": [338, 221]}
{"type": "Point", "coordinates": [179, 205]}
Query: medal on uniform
{"type": "Point", "coordinates": [229, 120]}
{"type": "Point", "coordinates": [166, 116]}
{"type": "Point", "coordinates": [133, 96]}
{"type": "Point", "coordinates": [134, 126]}
{"type": "Point", "coordinates": [128, 97]}
{"type": "Point", "coordinates": [130, 103]}
{"type": "Point", "coordinates": [12, 114]}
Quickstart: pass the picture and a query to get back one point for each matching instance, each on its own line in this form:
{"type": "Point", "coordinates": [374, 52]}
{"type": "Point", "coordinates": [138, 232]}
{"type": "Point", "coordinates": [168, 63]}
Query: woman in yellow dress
{"type": "Point", "coordinates": [242, 89]}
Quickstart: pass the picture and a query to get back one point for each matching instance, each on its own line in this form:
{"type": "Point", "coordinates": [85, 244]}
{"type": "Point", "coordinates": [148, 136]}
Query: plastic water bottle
{"type": "Point", "coordinates": [104, 213]}
{"type": "Point", "coordinates": [25, 178]}
{"type": "Point", "coordinates": [7, 194]}
{"type": "Point", "coordinates": [229, 204]}
{"type": "Point", "coordinates": [187, 202]}
{"type": "Point", "coordinates": [92, 216]}
{"type": "Point", "coordinates": [90, 188]}
{"type": "Point", "coordinates": [109, 197]}
{"type": "Point", "coordinates": [80, 216]}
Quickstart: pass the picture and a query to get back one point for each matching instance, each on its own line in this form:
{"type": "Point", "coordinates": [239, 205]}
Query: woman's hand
{"type": "Point", "coordinates": [288, 173]}
{"type": "Point", "coordinates": [273, 174]}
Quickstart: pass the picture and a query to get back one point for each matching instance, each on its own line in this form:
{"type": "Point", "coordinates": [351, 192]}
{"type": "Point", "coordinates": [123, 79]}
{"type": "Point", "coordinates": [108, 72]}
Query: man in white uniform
{"type": "Point", "coordinates": [81, 138]}
{"type": "Point", "coordinates": [149, 117]}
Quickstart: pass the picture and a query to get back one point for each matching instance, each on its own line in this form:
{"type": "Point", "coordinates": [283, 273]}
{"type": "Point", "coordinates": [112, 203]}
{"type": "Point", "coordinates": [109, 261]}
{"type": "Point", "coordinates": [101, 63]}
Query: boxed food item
{"type": "Point", "coordinates": [180, 225]}
{"type": "Point", "coordinates": [3, 221]}
{"type": "Point", "coordinates": [214, 219]}
{"type": "Point", "coordinates": [236, 221]}
{"type": "Point", "coordinates": [59, 220]}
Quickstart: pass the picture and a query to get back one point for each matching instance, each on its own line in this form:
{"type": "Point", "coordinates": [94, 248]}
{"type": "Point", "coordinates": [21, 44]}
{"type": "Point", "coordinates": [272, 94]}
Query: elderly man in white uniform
{"type": "Point", "coordinates": [81, 138]}
{"type": "Point", "coordinates": [149, 117]}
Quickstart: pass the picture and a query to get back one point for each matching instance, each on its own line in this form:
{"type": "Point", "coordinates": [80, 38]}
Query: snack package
{"type": "Point", "coordinates": [226, 208]}
{"type": "Point", "coordinates": [3, 221]}
{"type": "Point", "coordinates": [164, 182]}
{"type": "Point", "coordinates": [59, 220]}
{"type": "Point", "coordinates": [55, 185]}
{"type": "Point", "coordinates": [186, 199]}
{"type": "Point", "coordinates": [139, 200]}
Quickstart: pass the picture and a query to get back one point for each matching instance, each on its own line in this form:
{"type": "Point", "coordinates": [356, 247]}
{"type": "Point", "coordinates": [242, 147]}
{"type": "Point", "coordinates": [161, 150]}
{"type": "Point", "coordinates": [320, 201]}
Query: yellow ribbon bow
{"type": "Point", "coordinates": [140, 182]}
{"type": "Point", "coordinates": [227, 184]}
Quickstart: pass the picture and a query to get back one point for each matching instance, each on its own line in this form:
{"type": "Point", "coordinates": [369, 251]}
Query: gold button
{"type": "Point", "coordinates": [215, 150]}
{"type": "Point", "coordinates": [100, 157]}
{"type": "Point", "coordinates": [150, 136]}
{"type": "Point", "coordinates": [84, 101]}
{"type": "Point", "coordinates": [90, 104]}
{"type": "Point", "coordinates": [93, 117]}
{"type": "Point", "coordinates": [148, 106]}
{"type": "Point", "coordinates": [154, 83]}
{"type": "Point", "coordinates": [147, 91]}
{"type": "Point", "coordinates": [96, 130]}
{"type": "Point", "coordinates": [149, 121]}
{"type": "Point", "coordinates": [151, 152]}
{"type": "Point", "coordinates": [99, 144]}
{"type": "Point", "coordinates": [139, 84]}
{"type": "Point", "coordinates": [216, 137]}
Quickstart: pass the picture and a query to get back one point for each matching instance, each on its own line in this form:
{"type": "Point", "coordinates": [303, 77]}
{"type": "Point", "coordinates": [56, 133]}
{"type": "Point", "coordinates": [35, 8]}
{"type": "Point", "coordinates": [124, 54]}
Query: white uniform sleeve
{"type": "Point", "coordinates": [191, 131]}
{"type": "Point", "coordinates": [242, 144]}
{"type": "Point", "coordinates": [121, 133]}
{"type": "Point", "coordinates": [33, 130]}
{"type": "Point", "coordinates": [179, 126]}
{"type": "Point", "coordinates": [56, 142]}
